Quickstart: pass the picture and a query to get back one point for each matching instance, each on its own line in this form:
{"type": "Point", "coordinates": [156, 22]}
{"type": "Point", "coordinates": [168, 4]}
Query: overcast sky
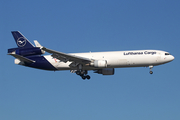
{"type": "Point", "coordinates": [73, 26]}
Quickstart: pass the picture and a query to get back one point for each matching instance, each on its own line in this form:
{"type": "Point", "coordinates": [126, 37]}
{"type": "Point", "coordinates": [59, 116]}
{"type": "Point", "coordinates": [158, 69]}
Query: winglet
{"type": "Point", "coordinates": [39, 45]}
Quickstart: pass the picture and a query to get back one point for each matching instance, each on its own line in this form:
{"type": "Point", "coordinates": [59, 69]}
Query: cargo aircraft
{"type": "Point", "coordinates": [104, 63]}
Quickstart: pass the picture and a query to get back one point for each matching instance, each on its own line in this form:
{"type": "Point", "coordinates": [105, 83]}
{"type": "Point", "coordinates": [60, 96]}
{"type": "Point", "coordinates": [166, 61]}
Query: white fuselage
{"type": "Point", "coordinates": [118, 59]}
{"type": "Point", "coordinates": [80, 63]}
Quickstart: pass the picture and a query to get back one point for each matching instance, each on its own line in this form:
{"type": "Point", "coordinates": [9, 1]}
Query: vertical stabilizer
{"type": "Point", "coordinates": [21, 41]}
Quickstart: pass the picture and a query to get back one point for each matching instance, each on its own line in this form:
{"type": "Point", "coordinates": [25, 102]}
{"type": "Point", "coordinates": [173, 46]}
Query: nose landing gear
{"type": "Point", "coordinates": [150, 67]}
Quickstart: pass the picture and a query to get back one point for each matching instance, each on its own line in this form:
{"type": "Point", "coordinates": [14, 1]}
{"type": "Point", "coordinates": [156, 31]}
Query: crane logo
{"type": "Point", "coordinates": [21, 42]}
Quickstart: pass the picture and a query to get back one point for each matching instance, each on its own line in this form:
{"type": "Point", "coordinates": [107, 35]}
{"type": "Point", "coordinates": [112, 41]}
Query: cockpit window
{"type": "Point", "coordinates": [167, 54]}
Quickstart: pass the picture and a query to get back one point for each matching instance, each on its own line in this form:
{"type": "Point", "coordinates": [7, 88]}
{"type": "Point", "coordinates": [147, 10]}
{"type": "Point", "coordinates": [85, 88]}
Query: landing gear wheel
{"type": "Point", "coordinates": [83, 74]}
{"type": "Point", "coordinates": [83, 77]}
{"type": "Point", "coordinates": [151, 72]}
{"type": "Point", "coordinates": [88, 77]}
{"type": "Point", "coordinates": [78, 72]}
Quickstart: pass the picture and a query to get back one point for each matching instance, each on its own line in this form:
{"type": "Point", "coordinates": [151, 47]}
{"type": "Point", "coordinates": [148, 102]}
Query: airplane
{"type": "Point", "coordinates": [104, 63]}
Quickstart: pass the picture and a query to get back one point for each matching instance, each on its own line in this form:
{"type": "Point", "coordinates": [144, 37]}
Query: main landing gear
{"type": "Point", "coordinates": [150, 67]}
{"type": "Point", "coordinates": [83, 74]}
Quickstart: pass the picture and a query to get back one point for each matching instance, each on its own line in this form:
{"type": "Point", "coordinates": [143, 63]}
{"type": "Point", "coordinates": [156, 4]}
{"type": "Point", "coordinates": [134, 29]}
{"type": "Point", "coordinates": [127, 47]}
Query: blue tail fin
{"type": "Point", "coordinates": [21, 41]}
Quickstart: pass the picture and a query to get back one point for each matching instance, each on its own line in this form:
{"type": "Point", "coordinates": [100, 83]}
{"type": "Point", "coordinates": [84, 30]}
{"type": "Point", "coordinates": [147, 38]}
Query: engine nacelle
{"type": "Point", "coordinates": [27, 51]}
{"type": "Point", "coordinates": [105, 71]}
{"type": "Point", "coordinates": [100, 63]}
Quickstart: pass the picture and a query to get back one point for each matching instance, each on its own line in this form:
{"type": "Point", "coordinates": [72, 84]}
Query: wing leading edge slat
{"type": "Point", "coordinates": [67, 57]}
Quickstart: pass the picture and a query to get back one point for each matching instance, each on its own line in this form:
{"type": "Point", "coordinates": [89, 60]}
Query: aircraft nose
{"type": "Point", "coordinates": [169, 58]}
{"type": "Point", "coordinates": [172, 57]}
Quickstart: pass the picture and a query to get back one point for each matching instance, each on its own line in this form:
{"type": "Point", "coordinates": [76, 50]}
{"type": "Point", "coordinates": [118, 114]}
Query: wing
{"type": "Point", "coordinates": [66, 57]}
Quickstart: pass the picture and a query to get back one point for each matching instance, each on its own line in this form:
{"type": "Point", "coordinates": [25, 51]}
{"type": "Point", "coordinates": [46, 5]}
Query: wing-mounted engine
{"type": "Point", "coordinates": [26, 51]}
{"type": "Point", "coordinates": [105, 71]}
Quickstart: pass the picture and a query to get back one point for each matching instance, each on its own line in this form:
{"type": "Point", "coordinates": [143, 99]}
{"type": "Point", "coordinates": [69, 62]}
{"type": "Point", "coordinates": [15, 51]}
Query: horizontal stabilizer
{"type": "Point", "coordinates": [21, 58]}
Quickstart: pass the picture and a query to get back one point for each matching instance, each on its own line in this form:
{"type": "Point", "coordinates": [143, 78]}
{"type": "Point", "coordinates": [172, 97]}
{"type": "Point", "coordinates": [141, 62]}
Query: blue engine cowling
{"type": "Point", "coordinates": [27, 51]}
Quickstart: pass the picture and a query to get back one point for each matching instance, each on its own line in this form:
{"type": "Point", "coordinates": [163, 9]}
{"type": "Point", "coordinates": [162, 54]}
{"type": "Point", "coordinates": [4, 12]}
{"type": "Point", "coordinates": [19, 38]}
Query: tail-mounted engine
{"type": "Point", "coordinates": [26, 51]}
